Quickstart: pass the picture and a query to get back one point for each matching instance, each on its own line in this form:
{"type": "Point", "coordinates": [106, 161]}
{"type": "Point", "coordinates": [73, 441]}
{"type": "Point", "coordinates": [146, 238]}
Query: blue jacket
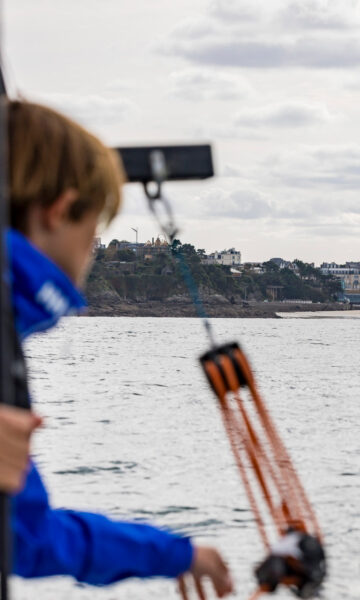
{"type": "Point", "coordinates": [49, 541]}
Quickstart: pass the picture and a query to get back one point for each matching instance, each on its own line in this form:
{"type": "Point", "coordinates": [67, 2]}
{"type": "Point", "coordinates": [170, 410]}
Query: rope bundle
{"type": "Point", "coordinates": [270, 480]}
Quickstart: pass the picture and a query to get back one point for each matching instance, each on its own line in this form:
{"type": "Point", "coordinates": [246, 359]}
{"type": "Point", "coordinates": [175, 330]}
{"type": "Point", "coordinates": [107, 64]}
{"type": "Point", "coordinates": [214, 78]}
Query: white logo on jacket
{"type": "Point", "coordinates": [52, 299]}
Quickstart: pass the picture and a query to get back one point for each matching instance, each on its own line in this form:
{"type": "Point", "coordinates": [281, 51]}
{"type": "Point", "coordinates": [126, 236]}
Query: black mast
{"type": "Point", "coordinates": [6, 339]}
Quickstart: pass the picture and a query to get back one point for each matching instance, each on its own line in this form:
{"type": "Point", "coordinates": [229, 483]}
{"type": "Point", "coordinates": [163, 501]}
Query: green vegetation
{"type": "Point", "coordinates": [155, 275]}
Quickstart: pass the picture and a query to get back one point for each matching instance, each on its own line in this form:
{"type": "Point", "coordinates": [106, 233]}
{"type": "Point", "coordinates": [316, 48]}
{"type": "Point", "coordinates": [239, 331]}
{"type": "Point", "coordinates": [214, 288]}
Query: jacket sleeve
{"type": "Point", "coordinates": [87, 546]}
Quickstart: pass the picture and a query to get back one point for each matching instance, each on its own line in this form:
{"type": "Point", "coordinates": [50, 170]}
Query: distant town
{"type": "Point", "coordinates": [124, 256]}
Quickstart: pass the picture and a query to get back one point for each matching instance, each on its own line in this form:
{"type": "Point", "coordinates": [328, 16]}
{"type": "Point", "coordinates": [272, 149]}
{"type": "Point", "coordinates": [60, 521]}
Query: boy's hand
{"type": "Point", "coordinates": [208, 563]}
{"type": "Point", "coordinates": [16, 427]}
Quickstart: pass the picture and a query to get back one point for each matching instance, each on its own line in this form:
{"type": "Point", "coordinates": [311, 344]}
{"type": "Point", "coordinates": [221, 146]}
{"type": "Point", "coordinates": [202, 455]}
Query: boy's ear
{"type": "Point", "coordinates": [55, 215]}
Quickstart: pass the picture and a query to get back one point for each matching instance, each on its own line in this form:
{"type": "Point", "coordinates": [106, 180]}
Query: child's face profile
{"type": "Point", "coordinates": [76, 244]}
{"type": "Point", "coordinates": [68, 242]}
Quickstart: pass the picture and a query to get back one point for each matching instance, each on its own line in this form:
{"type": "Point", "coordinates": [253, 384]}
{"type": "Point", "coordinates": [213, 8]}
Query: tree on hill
{"type": "Point", "coordinates": [176, 244]}
{"type": "Point", "coordinates": [307, 270]}
{"type": "Point", "coordinates": [125, 255]}
{"type": "Point", "coordinates": [271, 267]}
{"type": "Point", "coordinates": [188, 249]}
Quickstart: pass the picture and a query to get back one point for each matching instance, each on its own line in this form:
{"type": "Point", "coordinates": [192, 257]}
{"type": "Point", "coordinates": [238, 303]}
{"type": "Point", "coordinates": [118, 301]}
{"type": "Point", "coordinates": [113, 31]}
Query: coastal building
{"type": "Point", "coordinates": [208, 259]}
{"type": "Point", "coordinates": [235, 272]}
{"type": "Point", "coordinates": [149, 249]}
{"type": "Point", "coordinates": [280, 262]}
{"type": "Point", "coordinates": [351, 282]}
{"type": "Point", "coordinates": [287, 264]}
{"type": "Point", "coordinates": [157, 245]}
{"type": "Point", "coordinates": [335, 269]}
{"type": "Point", "coordinates": [255, 267]}
{"type": "Point", "coordinates": [227, 258]}
{"type": "Point", "coordinates": [137, 248]}
{"type": "Point", "coordinates": [348, 273]}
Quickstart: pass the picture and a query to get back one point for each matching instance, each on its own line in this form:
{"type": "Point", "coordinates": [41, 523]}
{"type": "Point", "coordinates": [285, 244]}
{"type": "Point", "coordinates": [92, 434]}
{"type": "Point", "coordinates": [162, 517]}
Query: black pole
{"type": "Point", "coordinates": [6, 341]}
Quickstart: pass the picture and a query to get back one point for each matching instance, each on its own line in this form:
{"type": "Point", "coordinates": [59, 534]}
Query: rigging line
{"type": "Point", "coordinates": [251, 446]}
{"type": "Point", "coordinates": [170, 231]}
{"type": "Point", "coordinates": [259, 457]}
{"type": "Point", "coordinates": [266, 455]}
{"type": "Point", "coordinates": [159, 172]}
{"type": "Point", "coordinates": [259, 592]}
{"type": "Point", "coordinates": [292, 477]}
{"type": "Point", "coordinates": [214, 375]}
{"type": "Point", "coordinates": [291, 490]}
{"type": "Point", "coordinates": [252, 452]}
{"type": "Point", "coordinates": [233, 435]}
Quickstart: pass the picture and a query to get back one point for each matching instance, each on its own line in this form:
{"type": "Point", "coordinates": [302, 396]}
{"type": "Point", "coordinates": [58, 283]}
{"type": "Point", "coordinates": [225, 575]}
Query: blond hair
{"type": "Point", "coordinates": [49, 154]}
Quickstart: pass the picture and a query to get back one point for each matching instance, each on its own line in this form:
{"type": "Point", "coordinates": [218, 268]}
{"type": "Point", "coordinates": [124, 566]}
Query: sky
{"type": "Point", "coordinates": [274, 86]}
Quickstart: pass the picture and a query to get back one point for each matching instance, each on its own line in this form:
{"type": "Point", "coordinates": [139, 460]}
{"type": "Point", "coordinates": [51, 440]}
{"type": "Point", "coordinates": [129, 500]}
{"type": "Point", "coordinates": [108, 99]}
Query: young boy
{"type": "Point", "coordinates": [62, 182]}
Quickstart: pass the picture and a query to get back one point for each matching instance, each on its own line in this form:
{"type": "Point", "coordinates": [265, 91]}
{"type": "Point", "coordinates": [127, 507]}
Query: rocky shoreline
{"type": "Point", "coordinates": [216, 307]}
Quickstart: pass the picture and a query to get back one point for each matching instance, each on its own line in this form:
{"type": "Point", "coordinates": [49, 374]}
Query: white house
{"type": "Point", "coordinates": [228, 258]}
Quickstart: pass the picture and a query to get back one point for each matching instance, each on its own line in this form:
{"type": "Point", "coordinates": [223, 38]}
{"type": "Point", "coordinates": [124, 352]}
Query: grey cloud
{"type": "Point", "coordinates": [333, 230]}
{"type": "Point", "coordinates": [203, 84]}
{"type": "Point", "coordinates": [320, 14]}
{"type": "Point", "coordinates": [322, 180]}
{"type": "Point", "coordinates": [310, 52]}
{"type": "Point", "coordinates": [324, 168]}
{"type": "Point", "coordinates": [291, 114]}
{"type": "Point", "coordinates": [284, 34]}
{"type": "Point", "coordinates": [315, 212]}
{"type": "Point", "coordinates": [312, 187]}
{"type": "Point", "coordinates": [308, 210]}
{"type": "Point", "coordinates": [259, 207]}
{"type": "Point", "coordinates": [341, 155]}
{"type": "Point", "coordinates": [237, 203]}
{"type": "Point", "coordinates": [228, 10]}
{"type": "Point", "coordinates": [281, 210]}
{"type": "Point", "coordinates": [298, 14]}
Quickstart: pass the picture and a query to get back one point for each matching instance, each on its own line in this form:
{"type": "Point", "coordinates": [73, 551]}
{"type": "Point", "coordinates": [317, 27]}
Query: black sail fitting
{"type": "Point", "coordinates": [304, 572]}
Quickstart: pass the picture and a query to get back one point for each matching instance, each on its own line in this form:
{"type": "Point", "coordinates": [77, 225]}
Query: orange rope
{"type": "Point", "coordinates": [251, 442]}
{"type": "Point", "coordinates": [295, 491]}
{"type": "Point", "coordinates": [229, 425]}
{"type": "Point", "coordinates": [260, 449]}
{"type": "Point", "coordinates": [259, 592]}
{"type": "Point", "coordinates": [235, 435]}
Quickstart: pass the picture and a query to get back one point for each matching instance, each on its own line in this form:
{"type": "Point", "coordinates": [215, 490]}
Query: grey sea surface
{"type": "Point", "coordinates": [133, 431]}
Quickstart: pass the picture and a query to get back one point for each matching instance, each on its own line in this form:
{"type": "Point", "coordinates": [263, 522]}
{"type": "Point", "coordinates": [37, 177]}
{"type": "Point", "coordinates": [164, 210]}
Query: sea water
{"type": "Point", "coordinates": [132, 430]}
